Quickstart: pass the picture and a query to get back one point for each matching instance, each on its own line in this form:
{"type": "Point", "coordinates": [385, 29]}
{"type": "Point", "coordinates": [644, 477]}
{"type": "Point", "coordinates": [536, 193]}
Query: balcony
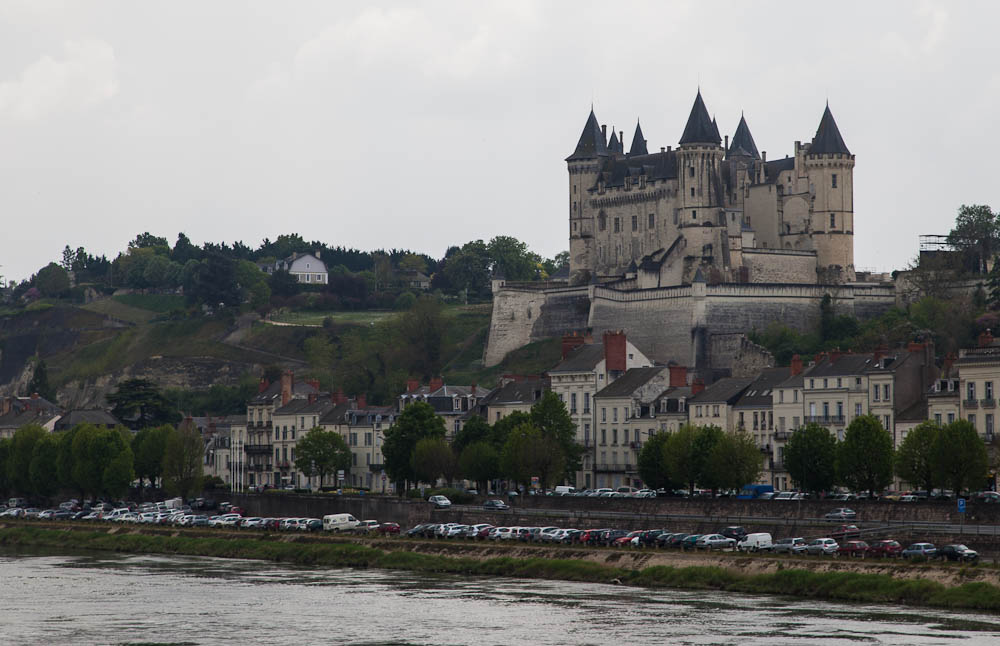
{"type": "Point", "coordinates": [825, 419]}
{"type": "Point", "coordinates": [971, 403]}
{"type": "Point", "coordinates": [988, 403]}
{"type": "Point", "coordinates": [284, 464]}
{"type": "Point", "coordinates": [781, 436]}
{"type": "Point", "coordinates": [613, 468]}
{"type": "Point", "coordinates": [376, 467]}
{"type": "Point", "coordinates": [259, 468]}
{"type": "Point", "coordinates": [257, 449]}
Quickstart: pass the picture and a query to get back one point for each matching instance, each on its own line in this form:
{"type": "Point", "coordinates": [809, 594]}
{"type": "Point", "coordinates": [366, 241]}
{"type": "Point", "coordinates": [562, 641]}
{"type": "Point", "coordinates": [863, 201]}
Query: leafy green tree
{"type": "Point", "coordinates": [479, 462]}
{"type": "Point", "coordinates": [550, 416]}
{"type": "Point", "coordinates": [503, 427]}
{"type": "Point", "coordinates": [421, 331]}
{"type": "Point", "coordinates": [811, 458]}
{"type": "Point", "coordinates": [149, 446]}
{"type": "Point", "coordinates": [417, 421]}
{"type": "Point", "coordinates": [40, 382]}
{"type": "Point", "coordinates": [19, 462]}
{"type": "Point", "coordinates": [528, 453]}
{"type": "Point", "coordinates": [95, 450]}
{"type": "Point", "coordinates": [184, 250]}
{"type": "Point", "coordinates": [681, 456]}
{"type": "Point", "coordinates": [213, 282]}
{"type": "Point", "coordinates": [148, 241]}
{"type": "Point", "coordinates": [432, 458]}
{"type": "Point", "coordinates": [182, 461]}
{"type": "Point", "coordinates": [705, 441]}
{"type": "Point", "coordinates": [735, 461]}
{"type": "Point", "coordinates": [65, 461]}
{"type": "Point", "coordinates": [469, 268]}
{"type": "Point", "coordinates": [119, 473]}
{"type": "Point", "coordinates": [283, 284]}
{"type": "Point", "coordinates": [864, 458]}
{"type": "Point", "coordinates": [42, 470]}
{"type": "Point", "coordinates": [253, 284]}
{"type": "Point", "coordinates": [960, 458]}
{"type": "Point", "coordinates": [52, 280]}
{"type": "Point", "coordinates": [914, 459]}
{"type": "Point", "coordinates": [320, 351]}
{"type": "Point", "coordinates": [652, 462]}
{"type": "Point", "coordinates": [6, 448]}
{"type": "Point", "coordinates": [976, 234]}
{"type": "Point", "coordinates": [140, 403]}
{"type": "Point", "coordinates": [476, 429]}
{"type": "Point", "coordinates": [320, 453]}
{"type": "Point", "coordinates": [511, 258]}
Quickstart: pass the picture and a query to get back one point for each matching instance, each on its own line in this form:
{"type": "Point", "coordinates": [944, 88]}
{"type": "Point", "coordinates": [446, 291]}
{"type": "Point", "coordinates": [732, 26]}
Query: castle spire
{"type": "Point", "coordinates": [699, 128]}
{"type": "Point", "coordinates": [743, 143]}
{"type": "Point", "coordinates": [591, 142]}
{"type": "Point", "coordinates": [638, 142]}
{"type": "Point", "coordinates": [828, 139]}
{"type": "Point", "coordinates": [615, 145]}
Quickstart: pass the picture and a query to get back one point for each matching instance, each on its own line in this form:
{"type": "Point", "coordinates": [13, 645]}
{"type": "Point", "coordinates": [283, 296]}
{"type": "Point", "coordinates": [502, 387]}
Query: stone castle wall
{"type": "Point", "coordinates": [522, 315]}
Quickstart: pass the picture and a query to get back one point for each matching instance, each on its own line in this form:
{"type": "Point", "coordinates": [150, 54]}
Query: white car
{"type": "Point", "coordinates": [822, 546]}
{"type": "Point", "coordinates": [439, 502]}
{"type": "Point", "coordinates": [715, 542]}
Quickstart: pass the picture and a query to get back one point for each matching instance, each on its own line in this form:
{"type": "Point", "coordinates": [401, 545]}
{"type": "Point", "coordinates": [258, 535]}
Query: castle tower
{"type": "Point", "coordinates": [830, 167]}
{"type": "Point", "coordinates": [583, 166]}
{"type": "Point", "coordinates": [743, 157]}
{"type": "Point", "coordinates": [638, 142]}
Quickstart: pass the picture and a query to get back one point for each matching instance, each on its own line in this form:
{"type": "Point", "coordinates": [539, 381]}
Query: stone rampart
{"type": "Point", "coordinates": [522, 315]}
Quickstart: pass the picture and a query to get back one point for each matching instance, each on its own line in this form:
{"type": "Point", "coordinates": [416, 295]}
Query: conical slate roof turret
{"type": "Point", "coordinates": [638, 142]}
{"type": "Point", "coordinates": [591, 142]}
{"type": "Point", "coordinates": [699, 128]}
{"type": "Point", "coordinates": [743, 143]}
{"type": "Point", "coordinates": [715, 127]}
{"type": "Point", "coordinates": [615, 145]}
{"type": "Point", "coordinates": [828, 139]}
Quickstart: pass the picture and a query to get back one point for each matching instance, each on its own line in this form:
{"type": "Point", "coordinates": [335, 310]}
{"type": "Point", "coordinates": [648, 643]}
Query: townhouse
{"type": "Point", "coordinates": [452, 403]}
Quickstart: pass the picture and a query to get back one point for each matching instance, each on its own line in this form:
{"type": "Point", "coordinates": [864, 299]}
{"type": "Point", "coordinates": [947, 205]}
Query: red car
{"type": "Point", "coordinates": [623, 541]}
{"type": "Point", "coordinates": [885, 548]}
{"type": "Point", "coordinates": [388, 528]}
{"type": "Point", "coordinates": [852, 548]}
{"type": "Point", "coordinates": [846, 531]}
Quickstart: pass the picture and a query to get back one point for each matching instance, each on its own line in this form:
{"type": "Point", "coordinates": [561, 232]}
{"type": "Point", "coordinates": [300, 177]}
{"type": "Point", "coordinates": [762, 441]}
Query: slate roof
{"type": "Point", "coordinates": [300, 389]}
{"type": "Point", "coordinates": [582, 359]}
{"type": "Point", "coordinates": [614, 145]}
{"type": "Point", "coordinates": [772, 168]}
{"type": "Point", "coordinates": [758, 393]}
{"type": "Point", "coordinates": [699, 128]}
{"type": "Point", "coordinates": [656, 166]}
{"type": "Point", "coordinates": [845, 365]}
{"type": "Point", "coordinates": [828, 139]}
{"type": "Point", "coordinates": [304, 406]}
{"type": "Point", "coordinates": [96, 416]}
{"type": "Point", "coordinates": [989, 354]}
{"type": "Point", "coordinates": [638, 142]}
{"type": "Point", "coordinates": [17, 419]}
{"type": "Point", "coordinates": [726, 390]}
{"type": "Point", "coordinates": [591, 142]}
{"type": "Point", "coordinates": [516, 392]}
{"type": "Point", "coordinates": [629, 382]}
{"type": "Point", "coordinates": [742, 142]}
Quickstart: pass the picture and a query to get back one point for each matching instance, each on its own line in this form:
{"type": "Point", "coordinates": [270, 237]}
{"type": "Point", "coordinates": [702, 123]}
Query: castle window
{"type": "Point", "coordinates": [618, 225]}
{"type": "Point", "coordinates": [694, 215]}
{"type": "Point", "coordinates": [635, 222]}
{"type": "Point", "coordinates": [574, 188]}
{"type": "Point", "coordinates": [834, 183]}
{"type": "Point", "coordinates": [574, 207]}
{"type": "Point", "coordinates": [675, 218]}
{"type": "Point", "coordinates": [690, 171]}
{"type": "Point", "coordinates": [833, 221]}
{"type": "Point", "coordinates": [692, 190]}
{"type": "Point", "coordinates": [574, 226]}
{"type": "Point", "coordinates": [652, 221]}
{"type": "Point", "coordinates": [602, 221]}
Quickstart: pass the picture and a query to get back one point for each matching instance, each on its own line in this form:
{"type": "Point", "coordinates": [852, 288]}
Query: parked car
{"type": "Point", "coordinates": [439, 502]}
{"type": "Point", "coordinates": [846, 532]}
{"type": "Point", "coordinates": [388, 528]}
{"type": "Point", "coordinates": [926, 550]}
{"type": "Point", "coordinates": [496, 505]}
{"type": "Point", "coordinates": [988, 496]}
{"type": "Point", "coordinates": [715, 542]}
{"type": "Point", "coordinates": [755, 542]}
{"type": "Point", "coordinates": [822, 547]}
{"type": "Point", "coordinates": [417, 530]}
{"type": "Point", "coordinates": [366, 526]}
{"type": "Point", "coordinates": [841, 513]}
{"type": "Point", "coordinates": [885, 548]}
{"type": "Point", "coordinates": [734, 532]}
{"type": "Point", "coordinates": [957, 552]}
{"type": "Point", "coordinates": [853, 548]}
{"type": "Point", "coordinates": [689, 542]}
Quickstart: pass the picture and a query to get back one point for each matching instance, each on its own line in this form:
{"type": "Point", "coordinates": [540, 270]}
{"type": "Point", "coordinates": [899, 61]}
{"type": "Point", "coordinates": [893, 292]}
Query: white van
{"type": "Point", "coordinates": [564, 490]}
{"type": "Point", "coordinates": [754, 542]}
{"type": "Point", "coordinates": [340, 523]}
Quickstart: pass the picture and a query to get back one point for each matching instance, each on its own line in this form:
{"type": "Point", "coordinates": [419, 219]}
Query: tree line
{"type": "Point", "coordinates": [931, 456]}
{"type": "Point", "coordinates": [538, 444]}
{"type": "Point", "coordinates": [699, 456]}
{"type": "Point", "coordinates": [92, 461]}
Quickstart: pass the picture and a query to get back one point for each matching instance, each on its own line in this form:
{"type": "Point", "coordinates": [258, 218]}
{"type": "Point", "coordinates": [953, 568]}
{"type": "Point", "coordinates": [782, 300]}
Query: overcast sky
{"type": "Point", "coordinates": [423, 125]}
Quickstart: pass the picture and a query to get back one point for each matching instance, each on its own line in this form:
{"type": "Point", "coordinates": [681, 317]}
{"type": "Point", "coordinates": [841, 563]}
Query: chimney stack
{"type": "Point", "coordinates": [727, 143]}
{"type": "Point", "coordinates": [312, 398]}
{"type": "Point", "coordinates": [436, 384]}
{"type": "Point", "coordinates": [834, 355]}
{"type": "Point", "coordinates": [604, 132]}
{"type": "Point", "coordinates": [412, 385]}
{"type": "Point", "coordinates": [287, 383]}
{"type": "Point", "coordinates": [615, 351]}
{"type": "Point", "coordinates": [697, 386]}
{"type": "Point", "coordinates": [362, 401]}
{"type": "Point", "coordinates": [678, 376]}
{"type": "Point", "coordinates": [263, 385]}
{"type": "Point", "coordinates": [571, 342]}
{"type": "Point", "coordinates": [314, 383]}
{"type": "Point", "coordinates": [986, 339]}
{"type": "Point", "coordinates": [472, 389]}
{"type": "Point", "coordinates": [796, 368]}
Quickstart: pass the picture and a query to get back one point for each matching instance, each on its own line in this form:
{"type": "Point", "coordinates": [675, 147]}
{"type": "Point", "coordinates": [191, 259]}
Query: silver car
{"type": "Point", "coordinates": [822, 546]}
{"type": "Point", "coordinates": [796, 545]}
{"type": "Point", "coordinates": [715, 542]}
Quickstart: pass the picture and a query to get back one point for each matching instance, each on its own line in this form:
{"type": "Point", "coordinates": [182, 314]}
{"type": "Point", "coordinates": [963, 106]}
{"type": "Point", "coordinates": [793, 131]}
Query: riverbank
{"type": "Point", "coordinates": [961, 587]}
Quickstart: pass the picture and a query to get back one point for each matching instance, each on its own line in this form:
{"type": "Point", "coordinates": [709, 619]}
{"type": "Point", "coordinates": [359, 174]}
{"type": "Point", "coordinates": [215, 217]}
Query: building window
{"type": "Point", "coordinates": [586, 402]}
{"type": "Point", "coordinates": [888, 423]}
{"type": "Point", "coordinates": [602, 222]}
{"type": "Point", "coordinates": [755, 421]}
{"type": "Point", "coordinates": [838, 382]}
{"type": "Point", "coordinates": [692, 191]}
{"type": "Point", "coordinates": [971, 390]}
{"type": "Point", "coordinates": [812, 384]}
{"type": "Point", "coordinates": [572, 403]}
{"type": "Point", "coordinates": [989, 423]}
{"type": "Point", "coordinates": [652, 221]}
{"type": "Point", "coordinates": [781, 396]}
{"type": "Point", "coordinates": [586, 434]}
{"type": "Point", "coordinates": [715, 410]}
{"type": "Point", "coordinates": [833, 221]}
{"type": "Point", "coordinates": [604, 436]}
{"type": "Point", "coordinates": [885, 393]}
{"type": "Point", "coordinates": [604, 414]}
{"type": "Point", "coordinates": [988, 390]}
{"type": "Point", "coordinates": [875, 393]}
{"type": "Point", "coordinates": [614, 435]}
{"type": "Point", "coordinates": [826, 410]}
{"type": "Point", "coordinates": [795, 422]}
{"type": "Point", "coordinates": [635, 222]}
{"type": "Point", "coordinates": [618, 225]}
{"type": "Point", "coordinates": [951, 417]}
{"type": "Point", "coordinates": [614, 414]}
{"type": "Point", "coordinates": [825, 383]}
{"type": "Point", "coordinates": [833, 183]}
{"type": "Point", "coordinates": [857, 410]}
{"type": "Point", "coordinates": [840, 410]}
{"type": "Point", "coordinates": [691, 172]}
{"type": "Point", "coordinates": [742, 423]}
{"type": "Point", "coordinates": [795, 396]}
{"type": "Point", "coordinates": [937, 418]}
{"type": "Point", "coordinates": [694, 214]}
{"type": "Point", "coordinates": [972, 419]}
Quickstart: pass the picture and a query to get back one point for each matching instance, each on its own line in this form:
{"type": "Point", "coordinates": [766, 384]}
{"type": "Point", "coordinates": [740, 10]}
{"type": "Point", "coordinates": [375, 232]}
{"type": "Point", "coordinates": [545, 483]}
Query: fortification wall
{"type": "Point", "coordinates": [657, 321]}
{"type": "Point", "coordinates": [523, 315]}
{"type": "Point", "coordinates": [738, 354]}
{"type": "Point", "coordinates": [777, 266]}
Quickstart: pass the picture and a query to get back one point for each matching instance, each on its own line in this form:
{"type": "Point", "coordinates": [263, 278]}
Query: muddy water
{"type": "Point", "coordinates": [112, 599]}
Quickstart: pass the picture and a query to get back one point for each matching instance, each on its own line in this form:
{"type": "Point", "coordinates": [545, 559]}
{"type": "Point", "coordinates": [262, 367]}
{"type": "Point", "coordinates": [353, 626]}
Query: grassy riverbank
{"type": "Point", "coordinates": [837, 586]}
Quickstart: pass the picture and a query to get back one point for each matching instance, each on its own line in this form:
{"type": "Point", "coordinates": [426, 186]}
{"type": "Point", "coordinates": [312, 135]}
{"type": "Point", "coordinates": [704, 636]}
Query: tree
{"type": "Point", "coordinates": [503, 427]}
{"type": "Point", "coordinates": [550, 416]}
{"type": "Point", "coordinates": [40, 382]}
{"type": "Point", "coordinates": [213, 282]}
{"type": "Point", "coordinates": [95, 451]}
{"type": "Point", "coordinates": [960, 459]}
{"type": "Point", "coordinates": [148, 448]}
{"type": "Point", "coordinates": [811, 458]}
{"type": "Point", "coordinates": [68, 258]}
{"type": "Point", "coordinates": [864, 458]}
{"type": "Point", "coordinates": [735, 461]}
{"type": "Point", "coordinates": [182, 470]}
{"type": "Point", "coordinates": [479, 462]}
{"type": "Point", "coordinates": [42, 470]}
{"type": "Point", "coordinates": [52, 280]}
{"type": "Point", "coordinates": [680, 456]}
{"type": "Point", "coordinates": [421, 330]}
{"type": "Point", "coordinates": [915, 456]}
{"type": "Point", "coordinates": [23, 450]}
{"type": "Point", "coordinates": [65, 460]}
{"type": "Point", "coordinates": [119, 473]}
{"type": "Point", "coordinates": [475, 430]}
{"type": "Point", "coordinates": [652, 462]}
{"type": "Point", "coordinates": [417, 421]}
{"type": "Point", "coordinates": [139, 402]}
{"type": "Point", "coordinates": [432, 458]}
{"type": "Point", "coordinates": [469, 268]}
{"type": "Point", "coordinates": [184, 250]}
{"type": "Point", "coordinates": [283, 283]}
{"type": "Point", "coordinates": [253, 284]}
{"type": "Point", "coordinates": [517, 459]}
{"type": "Point", "coordinates": [511, 258]}
{"type": "Point", "coordinates": [976, 234]}
{"type": "Point", "coordinates": [321, 453]}
{"type": "Point", "coordinates": [6, 448]}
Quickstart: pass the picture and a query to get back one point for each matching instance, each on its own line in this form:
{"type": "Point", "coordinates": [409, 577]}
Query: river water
{"type": "Point", "coordinates": [115, 599]}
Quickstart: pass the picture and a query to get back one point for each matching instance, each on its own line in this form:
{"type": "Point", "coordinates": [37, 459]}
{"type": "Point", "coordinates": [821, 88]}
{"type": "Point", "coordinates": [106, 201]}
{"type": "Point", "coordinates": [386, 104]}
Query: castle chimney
{"type": "Point", "coordinates": [436, 384]}
{"type": "Point", "coordinates": [472, 390]}
{"type": "Point", "coordinates": [662, 149]}
{"type": "Point", "coordinates": [669, 148]}
{"type": "Point", "coordinates": [763, 156]}
{"type": "Point", "coordinates": [287, 382]}
{"type": "Point", "coordinates": [880, 352]}
{"type": "Point", "coordinates": [614, 351]}
{"type": "Point", "coordinates": [339, 397]}
{"type": "Point", "coordinates": [914, 347]}
{"type": "Point", "coordinates": [796, 368]}
{"type": "Point", "coordinates": [571, 342]}
{"type": "Point", "coordinates": [697, 386]}
{"type": "Point", "coordinates": [411, 385]}
{"type": "Point", "coordinates": [263, 385]}
{"type": "Point", "coordinates": [678, 376]}
{"type": "Point", "coordinates": [727, 143]}
{"type": "Point", "coordinates": [604, 133]}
